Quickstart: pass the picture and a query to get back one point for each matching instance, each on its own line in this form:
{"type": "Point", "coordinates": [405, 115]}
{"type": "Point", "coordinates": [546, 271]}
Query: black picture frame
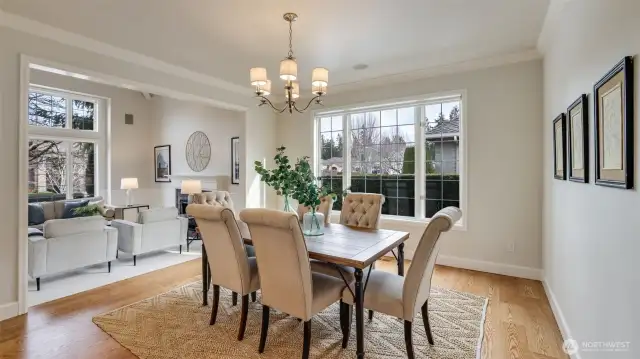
{"type": "Point", "coordinates": [563, 123]}
{"type": "Point", "coordinates": [625, 66]}
{"type": "Point", "coordinates": [161, 171]}
{"type": "Point", "coordinates": [582, 103]}
{"type": "Point", "coordinates": [235, 160]}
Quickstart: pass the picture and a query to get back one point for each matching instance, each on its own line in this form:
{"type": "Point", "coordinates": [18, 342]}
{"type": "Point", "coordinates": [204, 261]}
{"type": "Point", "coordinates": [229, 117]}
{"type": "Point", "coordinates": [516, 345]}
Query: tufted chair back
{"type": "Point", "coordinates": [362, 210]}
{"type": "Point", "coordinates": [325, 206]}
{"type": "Point", "coordinates": [214, 198]}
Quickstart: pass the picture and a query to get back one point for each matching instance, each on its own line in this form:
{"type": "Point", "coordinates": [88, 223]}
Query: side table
{"type": "Point", "coordinates": [125, 212]}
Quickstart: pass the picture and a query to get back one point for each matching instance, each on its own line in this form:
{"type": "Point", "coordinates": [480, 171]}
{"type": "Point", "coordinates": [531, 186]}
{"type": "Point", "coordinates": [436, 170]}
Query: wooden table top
{"type": "Point", "coordinates": [352, 246]}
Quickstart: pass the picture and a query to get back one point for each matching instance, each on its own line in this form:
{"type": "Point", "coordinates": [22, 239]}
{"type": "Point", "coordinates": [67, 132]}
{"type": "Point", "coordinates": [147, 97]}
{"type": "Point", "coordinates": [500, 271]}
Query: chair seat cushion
{"type": "Point", "coordinates": [326, 291]}
{"type": "Point", "coordinates": [383, 294]}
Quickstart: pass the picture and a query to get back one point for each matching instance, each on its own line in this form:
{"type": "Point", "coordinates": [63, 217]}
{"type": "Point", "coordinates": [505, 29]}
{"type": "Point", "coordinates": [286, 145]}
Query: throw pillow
{"type": "Point", "coordinates": [69, 206]}
{"type": "Point", "coordinates": [35, 214]}
{"type": "Point", "coordinates": [35, 232]}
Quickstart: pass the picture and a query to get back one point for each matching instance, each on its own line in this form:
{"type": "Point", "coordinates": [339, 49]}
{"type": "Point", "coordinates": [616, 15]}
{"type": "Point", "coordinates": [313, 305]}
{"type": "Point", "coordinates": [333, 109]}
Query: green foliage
{"type": "Point", "coordinates": [282, 178]}
{"type": "Point", "coordinates": [306, 190]}
{"type": "Point", "coordinates": [408, 164]}
{"type": "Point", "coordinates": [87, 211]}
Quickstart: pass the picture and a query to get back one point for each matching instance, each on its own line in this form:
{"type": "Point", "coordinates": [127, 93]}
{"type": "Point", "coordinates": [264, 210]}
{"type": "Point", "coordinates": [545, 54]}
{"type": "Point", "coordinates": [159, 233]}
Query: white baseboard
{"type": "Point", "coordinates": [557, 313]}
{"type": "Point", "coordinates": [491, 267]}
{"type": "Point", "coordinates": [8, 310]}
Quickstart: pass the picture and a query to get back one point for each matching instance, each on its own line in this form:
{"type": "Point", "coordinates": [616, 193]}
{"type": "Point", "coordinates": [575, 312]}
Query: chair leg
{"type": "Point", "coordinates": [306, 345]}
{"type": "Point", "coordinates": [109, 266]}
{"type": "Point", "coordinates": [243, 316]}
{"type": "Point", "coordinates": [254, 296]}
{"type": "Point", "coordinates": [181, 249]}
{"type": "Point", "coordinates": [370, 315]}
{"type": "Point", "coordinates": [38, 284]}
{"type": "Point", "coordinates": [345, 322]}
{"type": "Point", "coordinates": [407, 339]}
{"type": "Point", "coordinates": [216, 300]}
{"type": "Point", "coordinates": [425, 319]}
{"type": "Point", "coordinates": [234, 299]}
{"type": "Point", "coordinates": [134, 260]}
{"type": "Point", "coordinates": [265, 328]}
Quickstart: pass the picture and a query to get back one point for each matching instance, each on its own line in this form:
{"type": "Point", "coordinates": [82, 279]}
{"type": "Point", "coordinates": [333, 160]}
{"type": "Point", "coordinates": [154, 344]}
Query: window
{"type": "Point", "coordinates": [63, 144]}
{"type": "Point", "coordinates": [408, 152]}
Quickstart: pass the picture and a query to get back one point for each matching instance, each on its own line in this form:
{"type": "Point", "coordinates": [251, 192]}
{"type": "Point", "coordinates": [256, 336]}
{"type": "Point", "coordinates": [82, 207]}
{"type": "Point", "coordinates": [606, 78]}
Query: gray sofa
{"type": "Point", "coordinates": [55, 210]}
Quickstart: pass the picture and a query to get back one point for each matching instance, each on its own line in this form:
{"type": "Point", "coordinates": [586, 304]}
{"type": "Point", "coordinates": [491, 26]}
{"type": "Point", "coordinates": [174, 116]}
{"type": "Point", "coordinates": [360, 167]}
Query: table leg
{"type": "Point", "coordinates": [359, 314]}
{"type": "Point", "coordinates": [401, 259]}
{"type": "Point", "coordinates": [205, 275]}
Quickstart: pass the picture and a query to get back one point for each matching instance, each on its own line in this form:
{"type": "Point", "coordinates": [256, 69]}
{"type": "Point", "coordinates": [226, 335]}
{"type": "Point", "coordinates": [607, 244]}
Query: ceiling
{"type": "Point", "coordinates": [225, 38]}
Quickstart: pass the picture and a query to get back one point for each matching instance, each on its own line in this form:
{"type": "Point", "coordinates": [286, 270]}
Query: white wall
{"type": "Point", "coordinates": [14, 43]}
{"type": "Point", "coordinates": [591, 233]}
{"type": "Point", "coordinates": [504, 105]}
{"type": "Point", "coordinates": [131, 145]}
{"type": "Point", "coordinates": [175, 120]}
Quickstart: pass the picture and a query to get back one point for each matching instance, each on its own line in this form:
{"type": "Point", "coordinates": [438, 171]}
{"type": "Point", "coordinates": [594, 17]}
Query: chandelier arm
{"type": "Point", "coordinates": [309, 104]}
{"type": "Point", "coordinates": [264, 100]}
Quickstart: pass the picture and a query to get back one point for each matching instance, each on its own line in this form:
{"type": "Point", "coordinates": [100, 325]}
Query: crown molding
{"type": "Point", "coordinates": [551, 20]}
{"type": "Point", "coordinates": [439, 70]}
{"type": "Point", "coordinates": [36, 28]}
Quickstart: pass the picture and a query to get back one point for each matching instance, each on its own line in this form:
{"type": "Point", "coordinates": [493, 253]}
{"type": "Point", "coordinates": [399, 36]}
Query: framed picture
{"type": "Point", "coordinates": [613, 118]}
{"type": "Point", "coordinates": [578, 128]}
{"type": "Point", "coordinates": [235, 160]}
{"type": "Point", "coordinates": [559, 148]}
{"type": "Point", "coordinates": [162, 163]}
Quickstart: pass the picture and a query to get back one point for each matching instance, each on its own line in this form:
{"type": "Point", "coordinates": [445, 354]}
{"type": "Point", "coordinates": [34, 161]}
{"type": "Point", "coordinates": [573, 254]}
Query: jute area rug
{"type": "Point", "coordinates": [176, 325]}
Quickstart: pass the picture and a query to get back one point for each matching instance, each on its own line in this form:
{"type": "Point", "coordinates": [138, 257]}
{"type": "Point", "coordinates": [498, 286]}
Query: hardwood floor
{"type": "Point", "coordinates": [519, 322]}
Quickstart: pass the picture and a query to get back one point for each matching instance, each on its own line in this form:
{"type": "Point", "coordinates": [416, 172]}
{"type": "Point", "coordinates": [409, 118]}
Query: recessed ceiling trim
{"type": "Point", "coordinates": [26, 25]}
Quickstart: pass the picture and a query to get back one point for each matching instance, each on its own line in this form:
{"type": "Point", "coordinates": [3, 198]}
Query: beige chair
{"type": "Point", "coordinates": [401, 297]}
{"type": "Point", "coordinates": [325, 206]}
{"type": "Point", "coordinates": [230, 266]}
{"type": "Point", "coordinates": [288, 284]}
{"type": "Point", "coordinates": [361, 210]}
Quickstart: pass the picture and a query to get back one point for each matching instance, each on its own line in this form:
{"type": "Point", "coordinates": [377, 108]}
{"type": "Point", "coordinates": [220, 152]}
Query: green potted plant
{"type": "Point", "coordinates": [87, 211]}
{"type": "Point", "coordinates": [307, 192]}
{"type": "Point", "coordinates": [281, 178]}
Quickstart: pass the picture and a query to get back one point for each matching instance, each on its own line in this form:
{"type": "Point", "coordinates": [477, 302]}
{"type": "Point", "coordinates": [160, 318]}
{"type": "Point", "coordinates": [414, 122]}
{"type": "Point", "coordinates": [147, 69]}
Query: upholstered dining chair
{"type": "Point", "coordinates": [361, 210]}
{"type": "Point", "coordinates": [223, 198]}
{"type": "Point", "coordinates": [288, 284]}
{"type": "Point", "coordinates": [325, 206]}
{"type": "Point", "coordinates": [401, 297]}
{"type": "Point", "coordinates": [230, 266]}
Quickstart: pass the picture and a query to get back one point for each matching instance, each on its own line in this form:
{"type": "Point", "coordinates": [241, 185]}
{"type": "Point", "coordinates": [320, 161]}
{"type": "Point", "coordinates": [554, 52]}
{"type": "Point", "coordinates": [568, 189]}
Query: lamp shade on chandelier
{"type": "Point", "coordinates": [289, 74]}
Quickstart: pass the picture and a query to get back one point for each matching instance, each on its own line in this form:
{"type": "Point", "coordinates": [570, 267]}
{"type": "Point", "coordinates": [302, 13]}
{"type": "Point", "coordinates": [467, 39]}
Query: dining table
{"type": "Point", "coordinates": [348, 246]}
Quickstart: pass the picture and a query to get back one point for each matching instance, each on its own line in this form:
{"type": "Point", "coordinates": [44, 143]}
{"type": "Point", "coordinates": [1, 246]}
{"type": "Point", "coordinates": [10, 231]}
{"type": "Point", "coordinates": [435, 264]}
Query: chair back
{"type": "Point", "coordinates": [214, 198]}
{"type": "Point", "coordinates": [417, 284]}
{"type": "Point", "coordinates": [224, 245]}
{"type": "Point", "coordinates": [283, 261]}
{"type": "Point", "coordinates": [362, 210]}
{"type": "Point", "coordinates": [325, 206]}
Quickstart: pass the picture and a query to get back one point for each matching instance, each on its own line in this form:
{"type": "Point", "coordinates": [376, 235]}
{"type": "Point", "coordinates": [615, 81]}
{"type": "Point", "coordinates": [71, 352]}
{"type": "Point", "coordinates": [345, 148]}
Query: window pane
{"type": "Point", "coordinates": [432, 207]}
{"type": "Point", "coordinates": [336, 123]}
{"type": "Point", "coordinates": [83, 115]}
{"type": "Point", "coordinates": [47, 170]}
{"type": "Point", "coordinates": [388, 118]}
{"type": "Point", "coordinates": [336, 144]}
{"type": "Point", "coordinates": [406, 207]}
{"type": "Point", "coordinates": [47, 110]}
{"type": "Point", "coordinates": [83, 157]}
{"type": "Point", "coordinates": [406, 133]}
{"type": "Point", "coordinates": [406, 116]}
{"type": "Point", "coordinates": [325, 124]}
{"type": "Point", "coordinates": [451, 190]}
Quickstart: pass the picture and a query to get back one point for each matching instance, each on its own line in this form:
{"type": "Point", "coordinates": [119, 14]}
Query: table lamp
{"type": "Point", "coordinates": [129, 184]}
{"type": "Point", "coordinates": [191, 187]}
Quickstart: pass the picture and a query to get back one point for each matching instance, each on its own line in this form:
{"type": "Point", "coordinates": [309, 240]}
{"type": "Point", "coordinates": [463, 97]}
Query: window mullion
{"type": "Point", "coordinates": [420, 167]}
{"type": "Point", "coordinates": [69, 121]}
{"type": "Point", "coordinates": [69, 174]}
{"type": "Point", "coordinates": [346, 151]}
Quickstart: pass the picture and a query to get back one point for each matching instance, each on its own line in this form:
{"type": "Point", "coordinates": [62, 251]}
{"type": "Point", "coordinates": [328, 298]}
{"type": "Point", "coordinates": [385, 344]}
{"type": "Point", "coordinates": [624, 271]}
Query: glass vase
{"type": "Point", "coordinates": [313, 224]}
{"type": "Point", "coordinates": [287, 205]}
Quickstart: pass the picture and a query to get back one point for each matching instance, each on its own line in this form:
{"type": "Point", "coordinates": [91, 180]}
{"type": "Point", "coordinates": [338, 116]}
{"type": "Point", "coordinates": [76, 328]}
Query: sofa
{"type": "Point", "coordinates": [156, 229]}
{"type": "Point", "coordinates": [55, 210]}
{"type": "Point", "coordinates": [67, 244]}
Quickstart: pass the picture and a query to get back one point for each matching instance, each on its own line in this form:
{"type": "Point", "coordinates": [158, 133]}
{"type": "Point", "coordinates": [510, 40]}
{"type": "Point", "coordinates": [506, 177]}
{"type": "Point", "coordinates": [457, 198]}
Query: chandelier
{"type": "Point", "coordinates": [289, 73]}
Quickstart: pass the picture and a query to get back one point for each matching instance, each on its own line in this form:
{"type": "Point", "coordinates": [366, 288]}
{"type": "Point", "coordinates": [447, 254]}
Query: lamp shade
{"type": "Point", "coordinates": [295, 91]}
{"type": "Point", "coordinates": [288, 70]}
{"type": "Point", "coordinates": [320, 76]}
{"type": "Point", "coordinates": [128, 183]}
{"type": "Point", "coordinates": [258, 76]}
{"type": "Point", "coordinates": [318, 89]}
{"type": "Point", "coordinates": [266, 89]}
{"type": "Point", "coordinates": [191, 187]}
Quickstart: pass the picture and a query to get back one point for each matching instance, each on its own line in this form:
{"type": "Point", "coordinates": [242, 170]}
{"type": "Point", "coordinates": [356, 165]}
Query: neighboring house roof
{"type": "Point", "coordinates": [445, 128]}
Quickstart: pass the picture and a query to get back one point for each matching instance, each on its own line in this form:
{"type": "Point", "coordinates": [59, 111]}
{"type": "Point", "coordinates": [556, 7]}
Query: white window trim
{"type": "Point", "coordinates": [421, 101]}
{"type": "Point", "coordinates": [69, 135]}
